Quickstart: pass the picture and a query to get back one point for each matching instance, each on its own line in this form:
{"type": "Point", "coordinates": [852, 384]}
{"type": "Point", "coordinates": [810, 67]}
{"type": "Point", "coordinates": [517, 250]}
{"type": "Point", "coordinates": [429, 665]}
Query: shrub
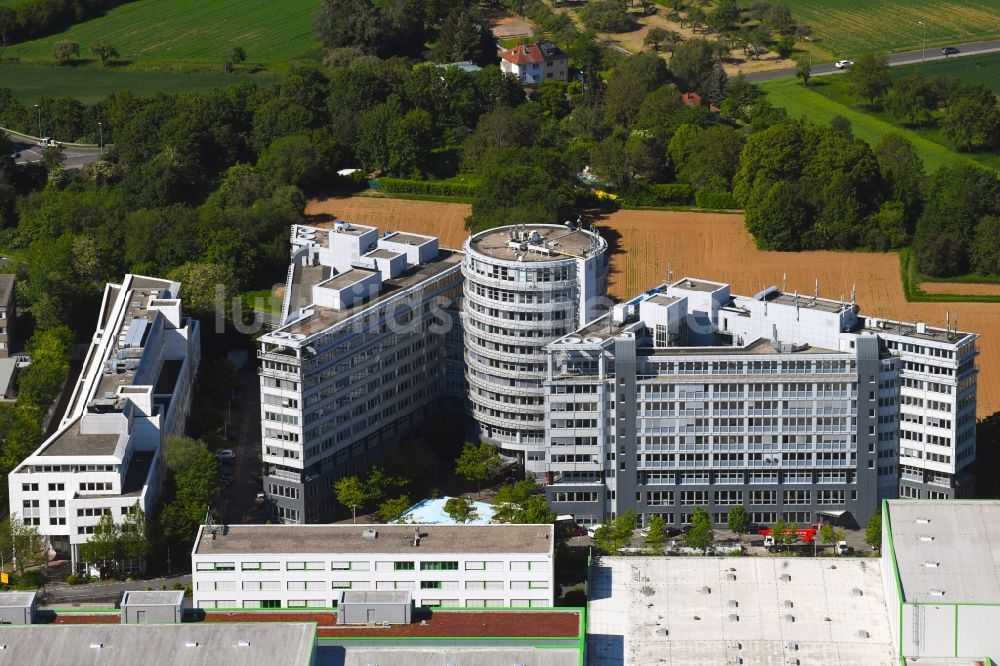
{"type": "Point", "coordinates": [72, 579]}
{"type": "Point", "coordinates": [672, 193]}
{"type": "Point", "coordinates": [31, 580]}
{"type": "Point", "coordinates": [706, 198]}
{"type": "Point", "coordinates": [188, 590]}
{"type": "Point", "coordinates": [432, 187]}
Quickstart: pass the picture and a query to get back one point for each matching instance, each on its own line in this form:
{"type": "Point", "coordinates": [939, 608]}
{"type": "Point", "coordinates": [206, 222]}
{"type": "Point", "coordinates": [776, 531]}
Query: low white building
{"type": "Point", "coordinates": [535, 63]}
{"type": "Point", "coordinates": [133, 392]}
{"type": "Point", "coordinates": [309, 566]}
{"type": "Point", "coordinates": [941, 574]}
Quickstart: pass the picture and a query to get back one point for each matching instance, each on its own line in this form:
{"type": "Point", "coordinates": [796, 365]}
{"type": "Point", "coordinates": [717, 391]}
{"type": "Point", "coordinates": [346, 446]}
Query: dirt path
{"type": "Point", "coordinates": [961, 288]}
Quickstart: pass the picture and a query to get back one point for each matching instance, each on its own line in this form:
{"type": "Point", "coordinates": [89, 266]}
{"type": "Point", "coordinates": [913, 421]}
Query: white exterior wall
{"type": "Point", "coordinates": [505, 580]}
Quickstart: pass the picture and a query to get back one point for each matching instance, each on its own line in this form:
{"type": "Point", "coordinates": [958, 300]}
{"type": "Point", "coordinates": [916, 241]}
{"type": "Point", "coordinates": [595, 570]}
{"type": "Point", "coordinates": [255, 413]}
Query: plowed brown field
{"type": "Point", "coordinates": [714, 247]}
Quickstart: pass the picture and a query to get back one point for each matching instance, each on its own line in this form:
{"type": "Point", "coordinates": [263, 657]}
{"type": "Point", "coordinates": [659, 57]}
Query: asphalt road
{"type": "Point", "coordinates": [903, 58]}
{"type": "Point", "coordinates": [62, 594]}
{"type": "Point", "coordinates": [73, 158]}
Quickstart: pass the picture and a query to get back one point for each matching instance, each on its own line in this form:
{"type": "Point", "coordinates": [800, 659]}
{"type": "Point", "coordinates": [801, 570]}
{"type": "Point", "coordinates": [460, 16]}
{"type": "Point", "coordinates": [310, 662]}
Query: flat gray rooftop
{"type": "Point", "coordinates": [961, 537]}
{"type": "Point", "coordinates": [16, 599]}
{"type": "Point", "coordinates": [377, 597]}
{"type": "Point", "coordinates": [565, 243]}
{"type": "Point", "coordinates": [324, 539]}
{"type": "Point", "coordinates": [407, 239]}
{"type": "Point", "coordinates": [154, 597]}
{"type": "Point", "coordinates": [910, 331]}
{"type": "Point", "coordinates": [347, 278]}
{"type": "Point", "coordinates": [6, 287]}
{"type": "Point", "coordinates": [288, 644]}
{"type": "Point", "coordinates": [802, 301]}
{"type": "Point", "coordinates": [324, 318]}
{"type": "Point", "coordinates": [71, 442]}
{"type": "Point", "coordinates": [383, 254]}
{"type": "Point", "coordinates": [757, 347]}
{"type": "Point", "coordinates": [442, 656]}
{"type": "Point", "coordinates": [691, 284]}
{"type": "Point", "coordinates": [657, 610]}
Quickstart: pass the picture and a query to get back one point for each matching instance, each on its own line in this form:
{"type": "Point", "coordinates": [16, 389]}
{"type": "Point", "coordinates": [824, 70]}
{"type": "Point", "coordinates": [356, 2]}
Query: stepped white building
{"type": "Point", "coordinates": [134, 391]}
{"type": "Point", "coordinates": [525, 286]}
{"type": "Point", "coordinates": [364, 352]}
{"type": "Point", "coordinates": [792, 406]}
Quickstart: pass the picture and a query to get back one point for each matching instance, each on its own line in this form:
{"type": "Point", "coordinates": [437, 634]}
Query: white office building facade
{"type": "Point", "coordinates": [792, 406]}
{"type": "Point", "coordinates": [525, 286]}
{"type": "Point", "coordinates": [310, 566]}
{"type": "Point", "coordinates": [362, 355]}
{"type": "Point", "coordinates": [134, 391]}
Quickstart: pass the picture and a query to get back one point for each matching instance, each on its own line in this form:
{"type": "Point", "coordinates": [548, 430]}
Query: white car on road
{"type": "Point", "coordinates": [843, 64]}
{"type": "Point", "coordinates": [225, 453]}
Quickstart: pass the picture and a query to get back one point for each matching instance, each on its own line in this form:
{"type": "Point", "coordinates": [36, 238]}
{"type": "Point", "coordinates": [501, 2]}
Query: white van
{"type": "Point", "coordinates": [842, 548]}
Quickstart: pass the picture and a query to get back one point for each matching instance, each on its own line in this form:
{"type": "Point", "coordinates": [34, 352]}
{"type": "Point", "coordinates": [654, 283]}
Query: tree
{"type": "Point", "coordinates": [392, 510]}
{"type": "Point", "coordinates": [606, 16]}
{"type": "Point", "coordinates": [973, 118]}
{"type": "Point", "coordinates": [870, 77]}
{"type": "Point", "coordinates": [912, 99]}
{"type": "Point", "coordinates": [656, 535]}
{"type": "Point", "coordinates": [478, 462]}
{"type": "Point", "coordinates": [200, 280]}
{"type": "Point", "coordinates": [657, 37]}
{"type": "Point", "coordinates": [522, 503]}
{"type": "Point", "coordinates": [841, 124]}
{"type": "Point", "coordinates": [635, 78]}
{"type": "Point", "coordinates": [342, 23]}
{"type": "Point", "coordinates": [616, 534]}
{"type": "Point", "coordinates": [103, 546]}
{"type": "Point", "coordinates": [738, 521]}
{"type": "Point", "coordinates": [700, 535]}
{"type": "Point", "coordinates": [873, 532]}
{"type": "Point", "coordinates": [986, 246]}
{"type": "Point", "coordinates": [135, 544]}
{"type": "Point", "coordinates": [803, 70]}
{"type": "Point", "coordinates": [789, 536]}
{"type": "Point", "coordinates": [21, 544]}
{"type": "Point", "coordinates": [785, 46]}
{"type": "Point", "coordinates": [461, 39]}
{"type": "Point", "coordinates": [778, 530]}
{"type": "Point", "coordinates": [64, 50]}
{"type": "Point", "coordinates": [104, 50]}
{"type": "Point", "coordinates": [378, 482]}
{"type": "Point", "coordinates": [692, 64]}
{"type": "Point", "coordinates": [903, 175]}
{"type": "Point", "coordinates": [827, 536]}
{"type": "Point", "coordinates": [350, 492]}
{"type": "Point", "coordinates": [195, 482]}
{"type": "Point", "coordinates": [8, 26]}
{"type": "Point", "coordinates": [461, 510]}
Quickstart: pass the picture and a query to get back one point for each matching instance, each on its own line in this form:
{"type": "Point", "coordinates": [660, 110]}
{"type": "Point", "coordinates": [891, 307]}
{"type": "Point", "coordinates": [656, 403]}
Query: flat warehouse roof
{"type": "Point", "coordinates": [16, 599]}
{"type": "Point", "coordinates": [465, 656]}
{"type": "Point", "coordinates": [326, 539]}
{"type": "Point", "coordinates": [711, 610]}
{"type": "Point", "coordinates": [950, 547]}
{"type": "Point", "coordinates": [129, 644]}
{"type": "Point", "coordinates": [154, 597]}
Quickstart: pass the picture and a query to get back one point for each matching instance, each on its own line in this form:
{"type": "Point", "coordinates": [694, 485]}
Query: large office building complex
{"type": "Point", "coordinates": [133, 392]}
{"type": "Point", "coordinates": [525, 286]}
{"type": "Point", "coordinates": [311, 566]}
{"type": "Point", "coordinates": [360, 356]}
{"type": "Point", "coordinates": [792, 406]}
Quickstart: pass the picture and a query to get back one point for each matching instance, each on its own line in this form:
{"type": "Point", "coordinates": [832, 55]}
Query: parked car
{"type": "Point", "coordinates": [225, 453]}
{"type": "Point", "coordinates": [261, 498]}
{"type": "Point", "coordinates": [843, 64]}
{"type": "Point", "coordinates": [842, 548]}
{"type": "Point", "coordinates": [949, 50]}
{"type": "Point", "coordinates": [592, 530]}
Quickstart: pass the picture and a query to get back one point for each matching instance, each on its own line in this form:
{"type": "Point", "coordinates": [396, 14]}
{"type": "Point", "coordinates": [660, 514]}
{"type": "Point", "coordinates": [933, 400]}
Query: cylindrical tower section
{"type": "Point", "coordinates": [525, 286]}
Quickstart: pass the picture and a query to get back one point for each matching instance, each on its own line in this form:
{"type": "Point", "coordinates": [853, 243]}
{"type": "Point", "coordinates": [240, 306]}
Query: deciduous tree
{"type": "Point", "coordinates": [21, 544]}
{"type": "Point", "coordinates": [461, 510]}
{"type": "Point", "coordinates": [870, 77]}
{"type": "Point", "coordinates": [656, 534]}
{"type": "Point", "coordinates": [478, 463]}
{"type": "Point", "coordinates": [615, 534]}
{"type": "Point", "coordinates": [350, 492]}
{"type": "Point", "coordinates": [104, 50]}
{"type": "Point", "coordinates": [873, 532]}
{"type": "Point", "coordinates": [738, 521]}
{"type": "Point", "coordinates": [64, 50]}
{"type": "Point", "coordinates": [700, 534]}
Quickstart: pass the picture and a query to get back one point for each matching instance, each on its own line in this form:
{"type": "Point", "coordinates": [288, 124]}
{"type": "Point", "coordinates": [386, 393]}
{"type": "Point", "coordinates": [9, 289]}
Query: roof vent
{"type": "Point", "coordinates": [369, 534]}
{"type": "Point", "coordinates": [930, 564]}
{"type": "Point", "coordinates": [732, 603]}
{"type": "Point", "coordinates": [96, 645]}
{"type": "Point", "coordinates": [857, 592]}
{"type": "Point", "coordinates": [243, 643]}
{"type": "Point", "coordinates": [785, 578]}
{"type": "Point", "coordinates": [862, 633]}
{"type": "Point", "coordinates": [792, 645]}
{"type": "Point", "coordinates": [731, 576]}
{"type": "Point", "coordinates": [705, 589]}
{"type": "Point", "coordinates": [190, 643]}
{"type": "Point", "coordinates": [733, 617]}
{"type": "Point", "coordinates": [926, 537]}
{"type": "Point", "coordinates": [937, 593]}
{"type": "Point", "coordinates": [789, 618]}
{"type": "Point", "coordinates": [923, 521]}
{"type": "Point", "coordinates": [788, 603]}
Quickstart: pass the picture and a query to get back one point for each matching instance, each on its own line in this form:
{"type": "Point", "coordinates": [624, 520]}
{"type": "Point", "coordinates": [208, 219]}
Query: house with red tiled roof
{"type": "Point", "coordinates": [694, 99]}
{"type": "Point", "coordinates": [535, 63]}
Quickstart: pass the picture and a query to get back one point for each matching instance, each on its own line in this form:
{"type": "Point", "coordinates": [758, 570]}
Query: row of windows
{"type": "Point", "coordinates": [365, 565]}
{"type": "Point", "coordinates": [322, 603]}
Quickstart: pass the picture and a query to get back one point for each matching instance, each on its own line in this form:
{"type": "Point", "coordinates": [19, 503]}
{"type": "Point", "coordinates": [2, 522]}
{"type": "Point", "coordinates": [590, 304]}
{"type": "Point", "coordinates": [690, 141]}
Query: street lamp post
{"type": "Point", "coordinates": [39, 109]}
{"type": "Point", "coordinates": [100, 126]}
{"type": "Point", "coordinates": [923, 43]}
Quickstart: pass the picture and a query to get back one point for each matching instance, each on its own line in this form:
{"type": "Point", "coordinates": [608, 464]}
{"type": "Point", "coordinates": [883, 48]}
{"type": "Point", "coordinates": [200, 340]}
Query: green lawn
{"type": "Point", "coordinates": [849, 27]}
{"type": "Point", "coordinates": [819, 108]}
{"type": "Point", "coordinates": [984, 69]}
{"type": "Point", "coordinates": [271, 31]}
{"type": "Point", "coordinates": [91, 84]}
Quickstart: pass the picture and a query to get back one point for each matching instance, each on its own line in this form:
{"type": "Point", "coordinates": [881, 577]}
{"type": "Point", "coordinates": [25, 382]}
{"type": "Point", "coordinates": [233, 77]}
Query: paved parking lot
{"type": "Point", "coordinates": [73, 158]}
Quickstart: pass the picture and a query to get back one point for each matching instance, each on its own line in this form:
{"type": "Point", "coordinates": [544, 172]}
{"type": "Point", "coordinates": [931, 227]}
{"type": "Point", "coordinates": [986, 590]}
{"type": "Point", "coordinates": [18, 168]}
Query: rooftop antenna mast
{"type": "Point", "coordinates": [854, 290]}
{"type": "Point", "coordinates": [816, 293]}
{"type": "Point", "coordinates": [670, 272]}
{"type": "Point", "coordinates": [784, 282]}
{"type": "Point", "coordinates": [947, 323]}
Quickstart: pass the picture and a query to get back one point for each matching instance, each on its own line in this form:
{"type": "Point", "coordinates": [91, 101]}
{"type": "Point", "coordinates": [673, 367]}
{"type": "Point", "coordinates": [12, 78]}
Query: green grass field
{"type": "Point", "coordinates": [271, 31]}
{"type": "Point", "coordinates": [800, 101]}
{"type": "Point", "coordinates": [91, 84]}
{"type": "Point", "coordinates": [984, 69]}
{"type": "Point", "coordinates": [849, 27]}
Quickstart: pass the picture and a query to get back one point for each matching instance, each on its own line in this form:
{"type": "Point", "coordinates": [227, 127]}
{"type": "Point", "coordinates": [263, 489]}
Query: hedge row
{"type": "Point", "coordinates": [37, 18]}
{"type": "Point", "coordinates": [715, 199]}
{"type": "Point", "coordinates": [434, 187]}
{"type": "Point", "coordinates": [663, 194]}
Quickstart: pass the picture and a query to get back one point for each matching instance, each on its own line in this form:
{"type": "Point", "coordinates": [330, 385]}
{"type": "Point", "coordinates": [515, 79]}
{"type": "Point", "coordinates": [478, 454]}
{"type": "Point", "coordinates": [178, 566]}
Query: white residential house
{"type": "Point", "coordinates": [133, 392]}
{"type": "Point", "coordinates": [535, 63]}
{"type": "Point", "coordinates": [309, 566]}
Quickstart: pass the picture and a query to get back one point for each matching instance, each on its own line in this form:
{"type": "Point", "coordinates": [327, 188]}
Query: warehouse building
{"type": "Point", "coordinates": [795, 407]}
{"type": "Point", "coordinates": [941, 573]}
{"type": "Point", "coordinates": [133, 393]}
{"type": "Point", "coordinates": [737, 610]}
{"type": "Point", "coordinates": [152, 606]}
{"type": "Point", "coordinates": [525, 286]}
{"type": "Point", "coordinates": [18, 607]}
{"type": "Point", "coordinates": [365, 350]}
{"type": "Point", "coordinates": [310, 566]}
